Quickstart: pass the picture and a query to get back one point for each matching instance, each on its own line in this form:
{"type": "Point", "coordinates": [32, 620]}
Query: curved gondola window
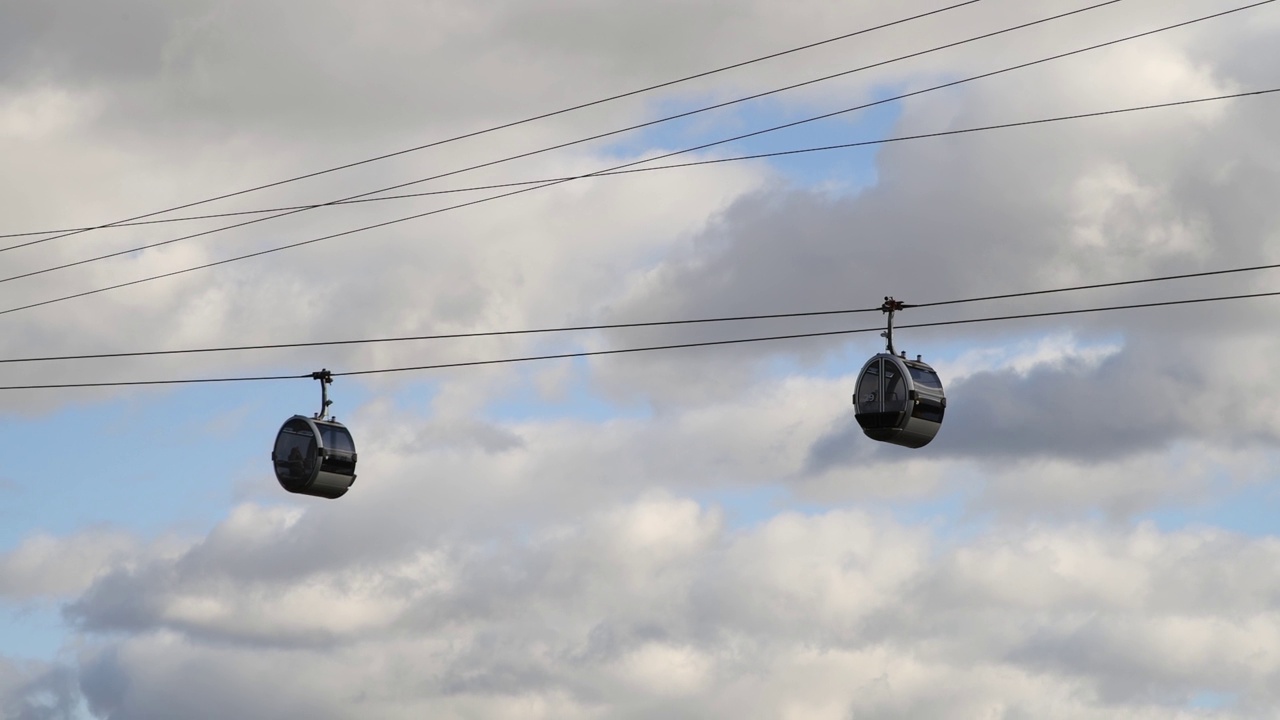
{"type": "Point", "coordinates": [869, 389]}
{"type": "Point", "coordinates": [295, 453]}
{"type": "Point", "coordinates": [336, 438]}
{"type": "Point", "coordinates": [925, 378]}
{"type": "Point", "coordinates": [895, 389]}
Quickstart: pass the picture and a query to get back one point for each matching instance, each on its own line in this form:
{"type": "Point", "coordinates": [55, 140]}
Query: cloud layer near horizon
{"type": "Point", "coordinates": [657, 607]}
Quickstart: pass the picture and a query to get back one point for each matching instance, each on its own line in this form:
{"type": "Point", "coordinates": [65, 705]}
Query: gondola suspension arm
{"type": "Point", "coordinates": [326, 378]}
{"type": "Point", "coordinates": [890, 306]}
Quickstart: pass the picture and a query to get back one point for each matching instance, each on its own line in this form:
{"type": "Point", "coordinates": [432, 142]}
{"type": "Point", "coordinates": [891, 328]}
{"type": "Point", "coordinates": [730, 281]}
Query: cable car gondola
{"type": "Point", "coordinates": [899, 401]}
{"type": "Point", "coordinates": [315, 455]}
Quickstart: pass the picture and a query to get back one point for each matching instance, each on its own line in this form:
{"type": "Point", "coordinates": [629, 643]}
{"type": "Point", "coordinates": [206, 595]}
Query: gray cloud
{"type": "Point", "coordinates": [37, 691]}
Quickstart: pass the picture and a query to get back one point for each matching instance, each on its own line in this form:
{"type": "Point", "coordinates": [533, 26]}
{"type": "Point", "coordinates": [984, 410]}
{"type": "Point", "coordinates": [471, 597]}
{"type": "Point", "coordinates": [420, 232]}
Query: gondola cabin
{"type": "Point", "coordinates": [314, 457]}
{"type": "Point", "coordinates": [899, 401]}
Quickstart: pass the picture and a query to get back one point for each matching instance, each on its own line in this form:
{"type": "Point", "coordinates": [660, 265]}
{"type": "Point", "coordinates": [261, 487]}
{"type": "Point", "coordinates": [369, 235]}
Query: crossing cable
{"type": "Point", "coordinates": [550, 148]}
{"type": "Point", "coordinates": [697, 163]}
{"type": "Point", "coordinates": [625, 165]}
{"type": "Point", "coordinates": [631, 325]}
{"type": "Point", "coordinates": [504, 126]}
{"type": "Point", "coordinates": [652, 348]}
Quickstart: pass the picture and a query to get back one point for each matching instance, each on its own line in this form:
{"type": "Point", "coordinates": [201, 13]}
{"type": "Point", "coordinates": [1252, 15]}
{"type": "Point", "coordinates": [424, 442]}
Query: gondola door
{"type": "Point", "coordinates": [882, 397]}
{"type": "Point", "coordinates": [869, 391]}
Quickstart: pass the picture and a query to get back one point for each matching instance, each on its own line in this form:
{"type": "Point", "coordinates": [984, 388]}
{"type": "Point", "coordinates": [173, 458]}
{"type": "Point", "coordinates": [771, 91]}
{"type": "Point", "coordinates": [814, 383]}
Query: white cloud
{"type": "Point", "coordinates": [818, 615]}
{"type": "Point", "coordinates": [44, 565]}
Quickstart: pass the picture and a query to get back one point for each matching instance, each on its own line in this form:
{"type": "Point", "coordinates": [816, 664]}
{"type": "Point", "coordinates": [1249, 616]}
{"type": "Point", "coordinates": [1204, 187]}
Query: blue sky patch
{"type": "Point", "coordinates": [31, 631]}
{"type": "Point", "coordinates": [846, 169]}
{"type": "Point", "coordinates": [155, 461]}
{"type": "Point", "coordinates": [1250, 511]}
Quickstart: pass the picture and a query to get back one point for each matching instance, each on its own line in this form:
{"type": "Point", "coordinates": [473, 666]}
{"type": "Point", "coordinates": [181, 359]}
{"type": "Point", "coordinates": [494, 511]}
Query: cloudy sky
{"type": "Point", "coordinates": [689, 533]}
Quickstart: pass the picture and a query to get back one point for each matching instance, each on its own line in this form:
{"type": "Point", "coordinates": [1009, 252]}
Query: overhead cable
{"type": "Point", "coordinates": [505, 126]}
{"type": "Point", "coordinates": [697, 163]}
{"type": "Point", "coordinates": [796, 336]}
{"type": "Point", "coordinates": [630, 325]}
{"type": "Point", "coordinates": [652, 348]}
{"type": "Point", "coordinates": [446, 336]}
{"type": "Point", "coordinates": [559, 146]}
{"type": "Point", "coordinates": [617, 167]}
{"type": "Point", "coordinates": [1097, 286]}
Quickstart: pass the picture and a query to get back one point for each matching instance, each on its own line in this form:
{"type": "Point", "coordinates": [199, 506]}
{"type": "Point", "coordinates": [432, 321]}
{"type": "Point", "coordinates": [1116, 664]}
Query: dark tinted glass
{"type": "Point", "coordinates": [928, 411]}
{"type": "Point", "coordinates": [336, 438]}
{"type": "Point", "coordinates": [295, 452]}
{"type": "Point", "coordinates": [925, 378]}
{"type": "Point", "coordinates": [339, 464]}
{"type": "Point", "coordinates": [869, 389]}
{"type": "Point", "coordinates": [880, 420]}
{"type": "Point", "coordinates": [895, 388]}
